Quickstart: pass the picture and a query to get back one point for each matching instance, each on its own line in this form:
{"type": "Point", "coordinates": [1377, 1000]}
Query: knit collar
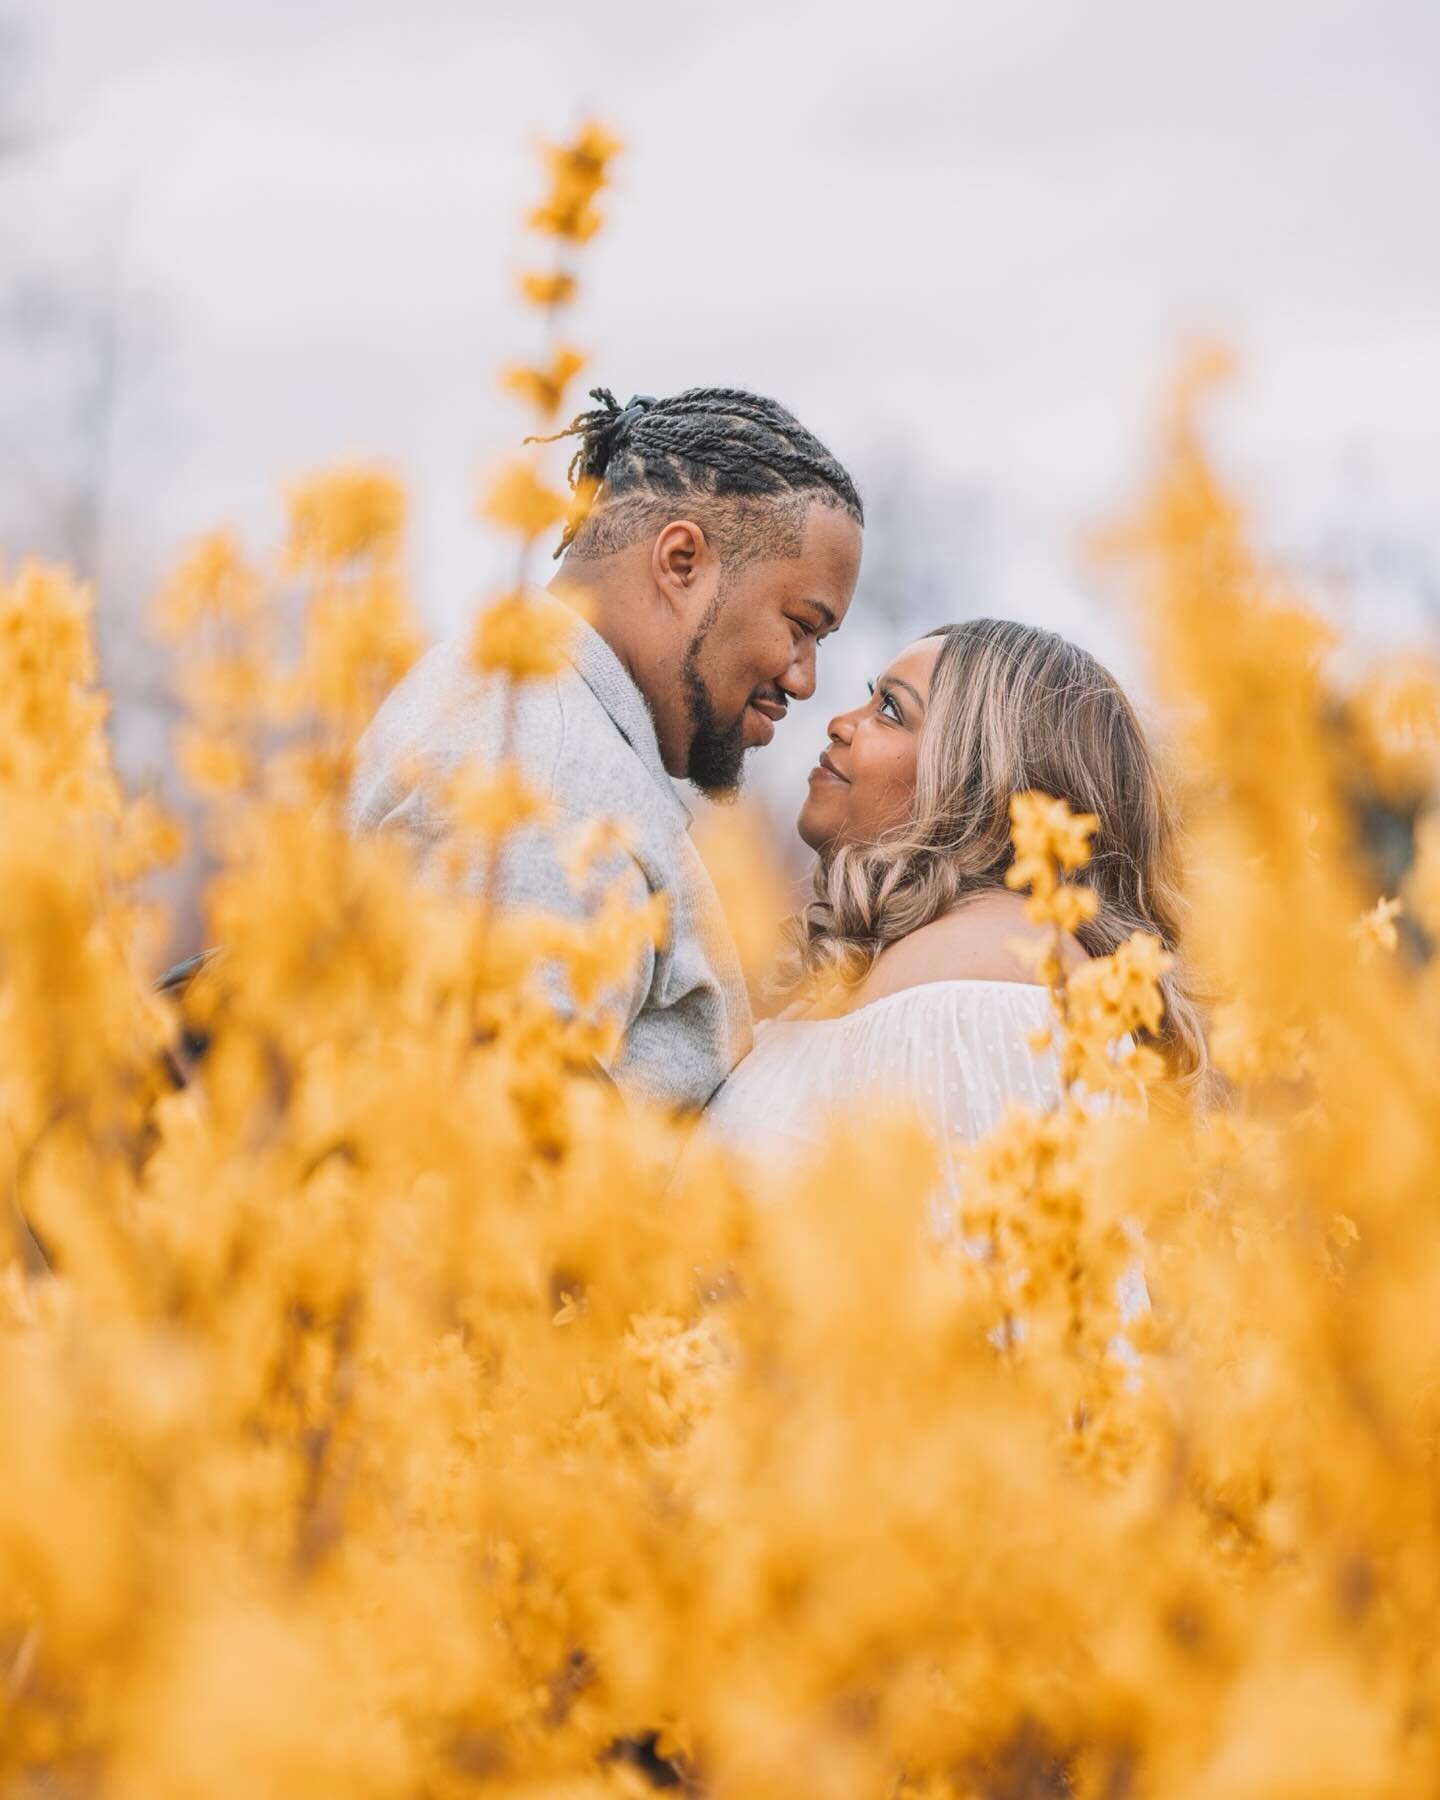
{"type": "Point", "coordinates": [612, 685]}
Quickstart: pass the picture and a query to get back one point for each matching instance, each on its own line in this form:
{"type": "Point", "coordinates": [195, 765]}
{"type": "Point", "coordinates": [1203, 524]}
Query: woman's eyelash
{"type": "Point", "coordinates": [887, 699]}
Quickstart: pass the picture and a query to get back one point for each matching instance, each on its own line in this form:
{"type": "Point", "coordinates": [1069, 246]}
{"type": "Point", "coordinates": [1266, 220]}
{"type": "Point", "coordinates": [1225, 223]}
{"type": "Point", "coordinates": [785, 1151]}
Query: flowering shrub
{"type": "Point", "coordinates": [382, 1414]}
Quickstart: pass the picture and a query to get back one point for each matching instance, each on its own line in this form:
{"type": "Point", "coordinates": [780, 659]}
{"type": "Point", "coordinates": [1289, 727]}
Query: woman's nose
{"type": "Point", "coordinates": [841, 728]}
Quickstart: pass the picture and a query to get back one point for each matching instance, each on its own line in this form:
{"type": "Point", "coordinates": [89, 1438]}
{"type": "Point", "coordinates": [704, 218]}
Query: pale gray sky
{"type": "Point", "coordinates": [963, 241]}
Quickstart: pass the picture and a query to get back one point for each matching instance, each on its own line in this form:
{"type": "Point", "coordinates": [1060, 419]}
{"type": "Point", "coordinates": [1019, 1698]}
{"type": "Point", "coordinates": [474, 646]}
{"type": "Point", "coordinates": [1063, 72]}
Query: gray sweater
{"type": "Point", "coordinates": [585, 739]}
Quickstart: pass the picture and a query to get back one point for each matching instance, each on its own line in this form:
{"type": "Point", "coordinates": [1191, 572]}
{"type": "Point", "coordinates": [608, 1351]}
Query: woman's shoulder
{"type": "Point", "coordinates": [983, 939]}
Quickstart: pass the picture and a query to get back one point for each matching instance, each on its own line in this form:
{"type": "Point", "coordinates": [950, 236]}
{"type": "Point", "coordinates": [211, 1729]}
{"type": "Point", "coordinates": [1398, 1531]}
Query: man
{"type": "Point", "coordinates": [723, 546]}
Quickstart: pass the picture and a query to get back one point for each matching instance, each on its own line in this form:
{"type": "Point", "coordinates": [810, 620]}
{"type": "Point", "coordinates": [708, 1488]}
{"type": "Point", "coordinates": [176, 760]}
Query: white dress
{"type": "Point", "coordinates": [958, 1052]}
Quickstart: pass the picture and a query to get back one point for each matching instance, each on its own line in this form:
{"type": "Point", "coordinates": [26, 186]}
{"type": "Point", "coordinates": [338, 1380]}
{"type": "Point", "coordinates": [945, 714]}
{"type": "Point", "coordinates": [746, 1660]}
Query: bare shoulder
{"type": "Point", "coordinates": [974, 942]}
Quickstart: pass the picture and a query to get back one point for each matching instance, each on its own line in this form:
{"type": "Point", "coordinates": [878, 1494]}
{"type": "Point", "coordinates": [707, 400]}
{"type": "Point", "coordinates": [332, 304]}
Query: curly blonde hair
{"type": "Point", "coordinates": [1011, 708]}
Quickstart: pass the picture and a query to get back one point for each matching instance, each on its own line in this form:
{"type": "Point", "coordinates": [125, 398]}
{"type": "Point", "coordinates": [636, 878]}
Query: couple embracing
{"type": "Point", "coordinates": [722, 549]}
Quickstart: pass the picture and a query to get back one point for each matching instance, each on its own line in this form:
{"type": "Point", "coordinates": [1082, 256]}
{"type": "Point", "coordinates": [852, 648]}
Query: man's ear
{"type": "Point", "coordinates": [682, 562]}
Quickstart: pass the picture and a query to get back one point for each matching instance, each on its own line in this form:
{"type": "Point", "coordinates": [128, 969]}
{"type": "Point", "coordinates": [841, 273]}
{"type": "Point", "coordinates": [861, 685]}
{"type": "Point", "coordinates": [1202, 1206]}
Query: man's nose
{"type": "Point", "coordinates": [799, 679]}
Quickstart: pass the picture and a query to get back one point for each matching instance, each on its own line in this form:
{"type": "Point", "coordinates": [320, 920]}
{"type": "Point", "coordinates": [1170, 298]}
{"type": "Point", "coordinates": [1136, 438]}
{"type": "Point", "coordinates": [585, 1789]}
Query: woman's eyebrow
{"type": "Point", "coordinates": [895, 681]}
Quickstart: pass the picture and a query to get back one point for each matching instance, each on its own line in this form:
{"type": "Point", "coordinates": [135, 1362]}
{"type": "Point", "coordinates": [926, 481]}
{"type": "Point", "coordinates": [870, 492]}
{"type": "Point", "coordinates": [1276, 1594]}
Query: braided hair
{"type": "Point", "coordinates": [705, 445]}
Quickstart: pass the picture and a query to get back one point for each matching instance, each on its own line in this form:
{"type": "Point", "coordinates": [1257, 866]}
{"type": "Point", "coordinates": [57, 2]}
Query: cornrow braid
{"type": "Point", "coordinates": [706, 444]}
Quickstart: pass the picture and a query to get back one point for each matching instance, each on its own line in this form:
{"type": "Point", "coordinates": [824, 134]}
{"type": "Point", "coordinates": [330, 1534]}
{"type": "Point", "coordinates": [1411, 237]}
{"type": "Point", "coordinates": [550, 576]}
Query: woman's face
{"type": "Point", "coordinates": [864, 783]}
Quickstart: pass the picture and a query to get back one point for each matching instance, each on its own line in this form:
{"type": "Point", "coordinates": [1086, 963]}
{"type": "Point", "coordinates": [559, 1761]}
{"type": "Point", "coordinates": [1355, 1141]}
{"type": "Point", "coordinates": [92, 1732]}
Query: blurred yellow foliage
{"type": "Point", "coordinates": [337, 517]}
{"type": "Point", "coordinates": [519, 501]}
{"type": "Point", "coordinates": [522, 636]}
{"type": "Point", "coordinates": [555, 289]}
{"type": "Point", "coordinates": [545, 388]}
{"type": "Point", "coordinates": [578, 171]}
{"type": "Point", "coordinates": [393, 1418]}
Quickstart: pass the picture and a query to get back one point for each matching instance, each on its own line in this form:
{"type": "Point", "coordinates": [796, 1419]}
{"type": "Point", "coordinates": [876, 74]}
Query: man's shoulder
{"type": "Point", "coordinates": [444, 712]}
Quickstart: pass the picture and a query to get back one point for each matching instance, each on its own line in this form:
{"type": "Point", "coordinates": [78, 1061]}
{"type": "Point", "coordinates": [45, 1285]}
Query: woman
{"type": "Point", "coordinates": [903, 977]}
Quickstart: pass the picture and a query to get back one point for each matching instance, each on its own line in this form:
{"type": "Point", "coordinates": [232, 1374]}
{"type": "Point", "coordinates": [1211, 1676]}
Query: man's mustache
{"type": "Point", "coordinates": [765, 697]}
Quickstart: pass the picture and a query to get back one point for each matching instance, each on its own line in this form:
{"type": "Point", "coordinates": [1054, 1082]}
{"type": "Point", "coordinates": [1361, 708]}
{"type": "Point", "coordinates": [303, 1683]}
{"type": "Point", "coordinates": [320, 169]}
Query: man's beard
{"type": "Point", "coordinates": [717, 752]}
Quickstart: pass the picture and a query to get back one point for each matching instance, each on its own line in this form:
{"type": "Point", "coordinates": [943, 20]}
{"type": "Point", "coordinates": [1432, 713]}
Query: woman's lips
{"type": "Point", "coordinates": [825, 770]}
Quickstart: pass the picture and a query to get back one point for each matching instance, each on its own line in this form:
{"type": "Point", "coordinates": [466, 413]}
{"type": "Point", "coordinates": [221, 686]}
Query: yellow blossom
{"type": "Point", "coordinates": [1109, 999]}
{"type": "Point", "coordinates": [1045, 833]}
{"type": "Point", "coordinates": [555, 289]}
{"type": "Point", "coordinates": [1247, 1048]}
{"type": "Point", "coordinates": [212, 764]}
{"type": "Point", "coordinates": [388, 1406]}
{"type": "Point", "coordinates": [1395, 712]}
{"type": "Point", "coordinates": [545, 389]}
{"type": "Point", "coordinates": [578, 171]}
{"type": "Point", "coordinates": [524, 636]}
{"type": "Point", "coordinates": [520, 501]}
{"type": "Point", "coordinates": [489, 803]}
{"type": "Point", "coordinates": [148, 837]}
{"type": "Point", "coordinates": [360, 636]}
{"type": "Point", "coordinates": [213, 583]}
{"type": "Point", "coordinates": [344, 515]}
{"type": "Point", "coordinates": [1375, 929]}
{"type": "Point", "coordinates": [749, 882]}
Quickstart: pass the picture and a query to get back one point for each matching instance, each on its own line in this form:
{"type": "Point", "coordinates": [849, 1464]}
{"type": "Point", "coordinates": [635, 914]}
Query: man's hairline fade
{"type": "Point", "coordinates": [721, 456]}
{"type": "Point", "coordinates": [741, 529]}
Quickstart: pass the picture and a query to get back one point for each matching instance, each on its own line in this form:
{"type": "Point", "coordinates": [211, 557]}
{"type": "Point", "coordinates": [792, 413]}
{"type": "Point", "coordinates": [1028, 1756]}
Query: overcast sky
{"type": "Point", "coordinates": [963, 241]}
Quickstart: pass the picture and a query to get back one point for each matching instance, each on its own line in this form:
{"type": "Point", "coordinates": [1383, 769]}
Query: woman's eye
{"type": "Point", "coordinates": [889, 708]}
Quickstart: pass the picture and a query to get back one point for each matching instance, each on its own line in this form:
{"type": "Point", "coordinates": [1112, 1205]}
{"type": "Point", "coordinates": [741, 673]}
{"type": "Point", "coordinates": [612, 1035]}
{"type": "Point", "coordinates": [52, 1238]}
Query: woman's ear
{"type": "Point", "coordinates": [680, 562]}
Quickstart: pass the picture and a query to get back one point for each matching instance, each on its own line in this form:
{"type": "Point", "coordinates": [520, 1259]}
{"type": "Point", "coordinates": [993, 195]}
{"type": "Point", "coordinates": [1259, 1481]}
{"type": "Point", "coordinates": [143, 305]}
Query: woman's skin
{"type": "Point", "coordinates": [863, 786]}
{"type": "Point", "coordinates": [864, 782]}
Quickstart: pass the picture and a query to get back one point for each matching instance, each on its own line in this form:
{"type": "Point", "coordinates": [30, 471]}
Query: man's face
{"type": "Point", "coordinates": [754, 651]}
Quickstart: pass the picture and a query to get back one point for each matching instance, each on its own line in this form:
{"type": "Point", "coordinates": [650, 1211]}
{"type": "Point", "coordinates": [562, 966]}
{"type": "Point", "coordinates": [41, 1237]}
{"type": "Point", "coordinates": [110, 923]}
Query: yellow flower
{"type": "Point", "coordinates": [212, 764]}
{"type": "Point", "coordinates": [526, 637]}
{"type": "Point", "coordinates": [213, 583]}
{"type": "Point", "coordinates": [1375, 930]}
{"type": "Point", "coordinates": [1396, 715]}
{"type": "Point", "coordinates": [1044, 829]}
{"type": "Point", "coordinates": [341, 516]}
{"type": "Point", "coordinates": [568, 214]}
{"type": "Point", "coordinates": [1068, 906]}
{"type": "Point", "coordinates": [504, 1418]}
{"type": "Point", "coordinates": [488, 803]}
{"type": "Point", "coordinates": [1110, 998]}
{"type": "Point", "coordinates": [577, 172]}
{"type": "Point", "coordinates": [1246, 1047]}
{"type": "Point", "coordinates": [556, 289]}
{"type": "Point", "coordinates": [544, 389]}
{"type": "Point", "coordinates": [52, 739]}
{"type": "Point", "coordinates": [360, 636]}
{"type": "Point", "coordinates": [582, 499]}
{"type": "Point", "coordinates": [589, 154]}
{"type": "Point", "coordinates": [601, 953]}
{"type": "Point", "coordinates": [735, 846]}
{"type": "Point", "coordinates": [147, 838]}
{"type": "Point", "coordinates": [520, 501]}
{"type": "Point", "coordinates": [1045, 833]}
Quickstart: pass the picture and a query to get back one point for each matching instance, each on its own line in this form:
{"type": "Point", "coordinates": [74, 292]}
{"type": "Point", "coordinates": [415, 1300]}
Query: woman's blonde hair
{"type": "Point", "coordinates": [1011, 708]}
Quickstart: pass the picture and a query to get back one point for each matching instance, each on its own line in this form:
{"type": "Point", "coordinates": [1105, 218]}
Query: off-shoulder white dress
{"type": "Point", "coordinates": [957, 1051]}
